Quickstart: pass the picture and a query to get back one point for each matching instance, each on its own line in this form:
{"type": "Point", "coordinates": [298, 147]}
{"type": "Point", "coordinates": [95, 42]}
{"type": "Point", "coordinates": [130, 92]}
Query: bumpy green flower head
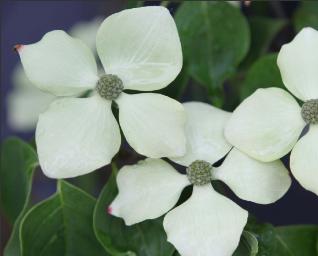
{"type": "Point", "coordinates": [109, 87]}
{"type": "Point", "coordinates": [309, 111]}
{"type": "Point", "coordinates": [199, 172]}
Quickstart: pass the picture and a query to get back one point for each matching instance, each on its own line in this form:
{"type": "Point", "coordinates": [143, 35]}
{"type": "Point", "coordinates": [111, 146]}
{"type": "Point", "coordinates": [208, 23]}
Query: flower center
{"type": "Point", "coordinates": [309, 111]}
{"type": "Point", "coordinates": [109, 86]}
{"type": "Point", "coordinates": [199, 172]}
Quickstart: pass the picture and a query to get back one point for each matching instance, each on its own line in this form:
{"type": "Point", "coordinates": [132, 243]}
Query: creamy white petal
{"type": "Point", "coordinates": [252, 180]}
{"type": "Point", "coordinates": [204, 133]}
{"type": "Point", "coordinates": [207, 224]}
{"type": "Point", "coordinates": [25, 106]}
{"type": "Point", "coordinates": [76, 136]}
{"type": "Point", "coordinates": [153, 124]}
{"type": "Point", "coordinates": [25, 102]}
{"type": "Point", "coordinates": [141, 46]}
{"type": "Point", "coordinates": [304, 160]}
{"type": "Point", "coordinates": [298, 62]}
{"type": "Point", "coordinates": [59, 64]}
{"type": "Point", "coordinates": [86, 31]}
{"type": "Point", "coordinates": [147, 190]}
{"type": "Point", "coordinates": [266, 125]}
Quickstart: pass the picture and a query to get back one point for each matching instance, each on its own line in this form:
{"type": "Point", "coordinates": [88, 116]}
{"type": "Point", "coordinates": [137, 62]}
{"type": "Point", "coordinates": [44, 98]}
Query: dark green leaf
{"type": "Point", "coordinates": [177, 87]}
{"type": "Point", "coordinates": [265, 234]}
{"type": "Point", "coordinates": [297, 240]}
{"type": "Point", "coordinates": [262, 74]}
{"type": "Point", "coordinates": [215, 38]}
{"type": "Point", "coordinates": [134, 4]}
{"type": "Point", "coordinates": [306, 15]}
{"type": "Point", "coordinates": [284, 241]}
{"type": "Point", "coordinates": [143, 239]}
{"type": "Point", "coordinates": [263, 31]}
{"type": "Point", "coordinates": [90, 182]}
{"type": "Point", "coordinates": [61, 225]}
{"type": "Point", "coordinates": [18, 160]}
{"type": "Point", "coordinates": [248, 245]}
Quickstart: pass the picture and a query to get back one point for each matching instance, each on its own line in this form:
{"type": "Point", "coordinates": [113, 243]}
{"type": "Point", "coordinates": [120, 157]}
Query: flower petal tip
{"type": "Point", "coordinates": [109, 210]}
{"type": "Point", "coordinates": [18, 47]}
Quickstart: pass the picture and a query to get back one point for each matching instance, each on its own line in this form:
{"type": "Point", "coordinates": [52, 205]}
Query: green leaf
{"type": "Point", "coordinates": [265, 234]}
{"type": "Point", "coordinates": [248, 245]}
{"type": "Point", "coordinates": [215, 38]}
{"type": "Point", "coordinates": [18, 160]}
{"type": "Point", "coordinates": [263, 31]}
{"type": "Point", "coordinates": [284, 241]}
{"type": "Point", "coordinates": [143, 239]}
{"type": "Point", "coordinates": [306, 15]}
{"type": "Point", "coordinates": [262, 74]}
{"type": "Point", "coordinates": [61, 225]}
{"type": "Point", "coordinates": [297, 240]}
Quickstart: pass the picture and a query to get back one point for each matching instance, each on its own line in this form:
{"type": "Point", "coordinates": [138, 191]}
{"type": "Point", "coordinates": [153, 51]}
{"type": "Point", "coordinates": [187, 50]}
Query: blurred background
{"type": "Point", "coordinates": [27, 21]}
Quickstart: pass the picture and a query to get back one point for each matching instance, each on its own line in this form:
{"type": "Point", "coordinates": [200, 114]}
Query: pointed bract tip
{"type": "Point", "coordinates": [17, 48]}
{"type": "Point", "coordinates": [109, 210]}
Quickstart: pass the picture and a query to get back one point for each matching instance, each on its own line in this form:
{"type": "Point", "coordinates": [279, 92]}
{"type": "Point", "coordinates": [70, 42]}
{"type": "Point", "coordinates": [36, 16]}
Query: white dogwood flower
{"type": "Point", "coordinates": [25, 101]}
{"type": "Point", "coordinates": [267, 125]}
{"type": "Point", "coordinates": [207, 223]}
{"type": "Point", "coordinates": [139, 50]}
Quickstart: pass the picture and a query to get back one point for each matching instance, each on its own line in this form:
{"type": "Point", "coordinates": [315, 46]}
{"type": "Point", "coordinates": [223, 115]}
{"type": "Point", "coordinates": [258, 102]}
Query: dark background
{"type": "Point", "coordinates": [27, 21]}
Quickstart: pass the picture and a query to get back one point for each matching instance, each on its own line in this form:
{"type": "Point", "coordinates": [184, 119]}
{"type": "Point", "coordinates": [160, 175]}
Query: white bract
{"type": "Point", "coordinates": [140, 50]}
{"type": "Point", "coordinates": [207, 223]}
{"type": "Point", "coordinates": [268, 124]}
{"type": "Point", "coordinates": [26, 102]}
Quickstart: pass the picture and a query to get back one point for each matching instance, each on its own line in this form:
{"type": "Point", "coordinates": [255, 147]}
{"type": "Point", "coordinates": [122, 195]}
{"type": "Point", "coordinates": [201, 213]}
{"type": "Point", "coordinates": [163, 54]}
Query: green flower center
{"type": "Point", "coordinates": [309, 111]}
{"type": "Point", "coordinates": [109, 86]}
{"type": "Point", "coordinates": [199, 172]}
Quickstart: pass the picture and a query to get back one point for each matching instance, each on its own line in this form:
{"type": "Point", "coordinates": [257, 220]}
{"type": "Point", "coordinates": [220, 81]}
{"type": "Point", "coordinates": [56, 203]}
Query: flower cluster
{"type": "Point", "coordinates": [268, 124]}
{"type": "Point", "coordinates": [140, 50]}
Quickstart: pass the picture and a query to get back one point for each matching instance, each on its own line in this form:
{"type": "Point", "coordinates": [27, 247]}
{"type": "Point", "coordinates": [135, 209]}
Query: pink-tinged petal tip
{"type": "Point", "coordinates": [18, 47]}
{"type": "Point", "coordinates": [109, 210]}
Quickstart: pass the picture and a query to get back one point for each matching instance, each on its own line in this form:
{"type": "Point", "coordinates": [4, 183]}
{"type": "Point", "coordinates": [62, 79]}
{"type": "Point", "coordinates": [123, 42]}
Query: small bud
{"type": "Point", "coordinates": [199, 172]}
{"type": "Point", "coordinates": [309, 111]}
{"type": "Point", "coordinates": [109, 87]}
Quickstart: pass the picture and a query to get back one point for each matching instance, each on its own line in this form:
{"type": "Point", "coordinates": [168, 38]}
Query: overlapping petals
{"type": "Point", "coordinates": [204, 131]}
{"type": "Point", "coordinates": [207, 223]}
{"type": "Point", "coordinates": [25, 101]}
{"type": "Point", "coordinates": [142, 47]}
{"type": "Point", "coordinates": [267, 125]}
